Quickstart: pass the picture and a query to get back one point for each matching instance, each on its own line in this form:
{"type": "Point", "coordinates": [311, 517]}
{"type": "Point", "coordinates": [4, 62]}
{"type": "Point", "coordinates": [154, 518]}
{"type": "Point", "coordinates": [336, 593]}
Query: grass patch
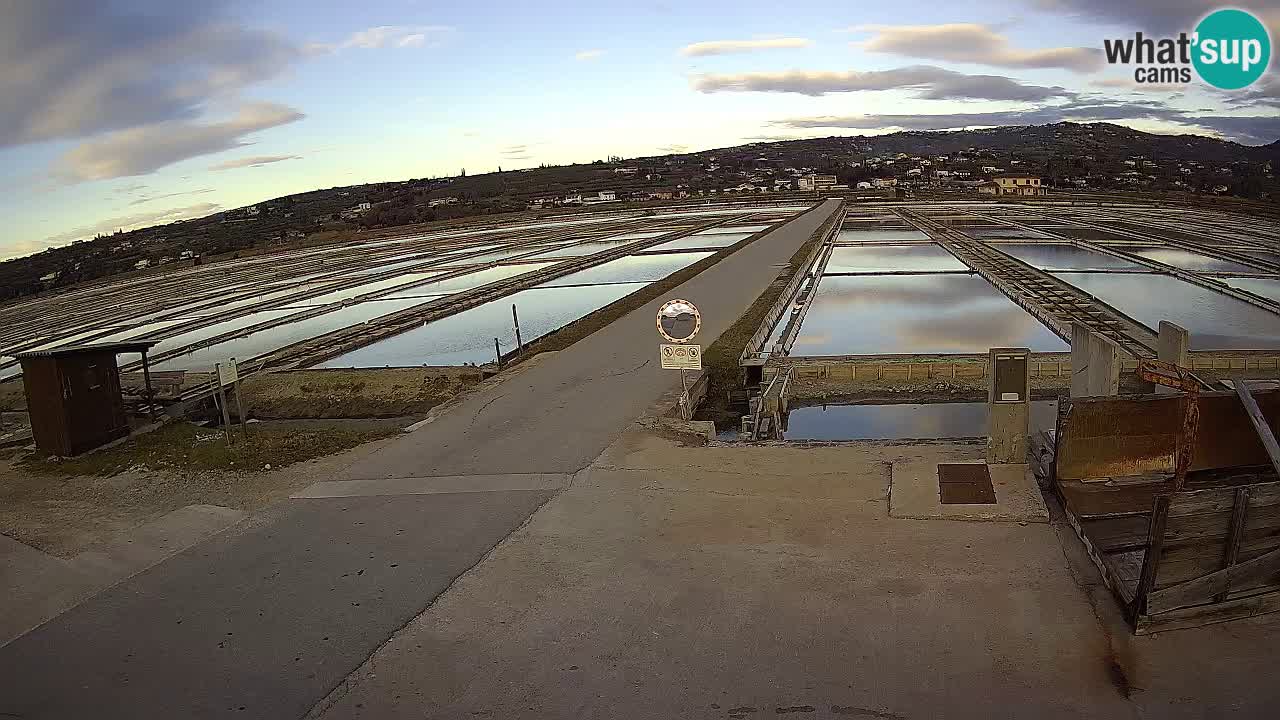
{"type": "Point", "coordinates": [720, 360]}
{"type": "Point", "coordinates": [183, 446]}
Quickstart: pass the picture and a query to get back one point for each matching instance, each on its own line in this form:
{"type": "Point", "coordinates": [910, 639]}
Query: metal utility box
{"type": "Point", "coordinates": [73, 396]}
{"type": "Point", "coordinates": [1009, 406]}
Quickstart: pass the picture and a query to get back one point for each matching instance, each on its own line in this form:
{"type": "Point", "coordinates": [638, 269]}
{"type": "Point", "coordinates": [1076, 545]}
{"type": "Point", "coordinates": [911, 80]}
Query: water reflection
{"type": "Point", "coordinates": [636, 268]}
{"type": "Point", "coordinates": [916, 314]}
{"type": "Point", "coordinates": [1216, 321]}
{"type": "Point", "coordinates": [1266, 287]}
{"type": "Point", "coordinates": [875, 258]}
{"type": "Point", "coordinates": [897, 422]}
{"type": "Point", "coordinates": [1065, 257]}
{"type": "Point", "coordinates": [857, 236]}
{"type": "Point", "coordinates": [274, 338]}
{"type": "Point", "coordinates": [1188, 260]}
{"type": "Point", "coordinates": [468, 336]}
{"type": "Point", "coordinates": [718, 240]}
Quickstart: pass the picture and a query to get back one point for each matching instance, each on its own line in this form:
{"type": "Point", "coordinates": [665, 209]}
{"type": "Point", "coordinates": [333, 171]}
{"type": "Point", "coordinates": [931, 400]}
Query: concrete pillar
{"type": "Point", "coordinates": [1008, 405]}
{"type": "Point", "coordinates": [1080, 360]}
{"type": "Point", "coordinates": [1095, 363]}
{"type": "Point", "coordinates": [1172, 346]}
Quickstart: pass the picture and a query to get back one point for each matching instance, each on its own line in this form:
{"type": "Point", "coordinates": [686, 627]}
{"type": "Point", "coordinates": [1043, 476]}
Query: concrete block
{"type": "Point", "coordinates": [913, 494]}
{"type": "Point", "coordinates": [1172, 345]}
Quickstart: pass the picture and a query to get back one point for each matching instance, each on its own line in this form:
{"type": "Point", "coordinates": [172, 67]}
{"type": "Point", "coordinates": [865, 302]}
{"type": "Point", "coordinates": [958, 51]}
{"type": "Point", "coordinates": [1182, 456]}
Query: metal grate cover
{"type": "Point", "coordinates": [965, 484]}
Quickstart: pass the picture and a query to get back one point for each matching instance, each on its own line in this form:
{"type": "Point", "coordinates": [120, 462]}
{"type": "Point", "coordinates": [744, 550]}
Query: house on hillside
{"type": "Point", "coordinates": [1023, 185]}
{"type": "Point", "coordinates": [816, 182]}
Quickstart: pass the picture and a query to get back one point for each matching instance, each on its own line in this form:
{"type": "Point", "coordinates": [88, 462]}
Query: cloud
{"type": "Point", "coordinates": [1128, 83]}
{"type": "Point", "coordinates": [70, 69]}
{"type": "Point", "coordinates": [725, 47]}
{"type": "Point", "coordinates": [143, 200]}
{"type": "Point", "coordinates": [1263, 93]}
{"type": "Point", "coordinates": [252, 161]}
{"type": "Point", "coordinates": [517, 152]}
{"type": "Point", "coordinates": [386, 36]}
{"type": "Point", "coordinates": [124, 222]}
{"type": "Point", "coordinates": [927, 81]}
{"type": "Point", "coordinates": [673, 149]}
{"type": "Point", "coordinates": [1156, 16]}
{"type": "Point", "coordinates": [140, 150]}
{"type": "Point", "coordinates": [1252, 130]}
{"type": "Point", "coordinates": [588, 54]}
{"type": "Point", "coordinates": [973, 43]}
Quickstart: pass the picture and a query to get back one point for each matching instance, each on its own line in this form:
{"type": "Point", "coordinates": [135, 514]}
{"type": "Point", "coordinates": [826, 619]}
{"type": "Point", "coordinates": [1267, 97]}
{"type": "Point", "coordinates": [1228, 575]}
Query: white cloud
{"type": "Point", "coordinates": [725, 47]}
{"type": "Point", "coordinates": [927, 81]}
{"type": "Point", "coordinates": [140, 150]}
{"type": "Point", "coordinates": [588, 54]}
{"type": "Point", "coordinates": [384, 36]}
{"type": "Point", "coordinates": [252, 161]}
{"type": "Point", "coordinates": [70, 69]}
{"type": "Point", "coordinates": [166, 196]}
{"type": "Point", "coordinates": [972, 43]}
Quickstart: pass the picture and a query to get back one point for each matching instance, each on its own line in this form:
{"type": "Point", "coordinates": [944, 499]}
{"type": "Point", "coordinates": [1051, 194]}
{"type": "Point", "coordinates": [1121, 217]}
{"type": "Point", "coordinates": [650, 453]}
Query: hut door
{"type": "Point", "coordinates": [90, 385]}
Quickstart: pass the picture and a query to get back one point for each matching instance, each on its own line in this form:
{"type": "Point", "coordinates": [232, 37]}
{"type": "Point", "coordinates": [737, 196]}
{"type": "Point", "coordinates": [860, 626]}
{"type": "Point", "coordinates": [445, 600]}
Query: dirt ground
{"type": "Point", "coordinates": [62, 506]}
{"type": "Point", "coordinates": [366, 393]}
{"type": "Point", "coordinates": [12, 396]}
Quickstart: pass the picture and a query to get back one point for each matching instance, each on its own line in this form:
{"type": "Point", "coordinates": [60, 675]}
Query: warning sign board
{"type": "Point", "coordinates": [681, 357]}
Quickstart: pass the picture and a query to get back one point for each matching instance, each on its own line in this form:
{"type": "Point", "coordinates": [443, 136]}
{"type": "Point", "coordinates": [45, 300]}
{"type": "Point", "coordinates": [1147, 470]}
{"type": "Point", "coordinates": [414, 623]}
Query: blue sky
{"type": "Point", "coordinates": [126, 114]}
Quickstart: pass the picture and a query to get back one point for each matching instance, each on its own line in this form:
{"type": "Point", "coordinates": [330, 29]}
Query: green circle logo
{"type": "Point", "coordinates": [1232, 49]}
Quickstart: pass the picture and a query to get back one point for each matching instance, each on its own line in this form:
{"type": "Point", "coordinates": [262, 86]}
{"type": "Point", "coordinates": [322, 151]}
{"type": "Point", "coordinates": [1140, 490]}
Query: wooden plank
{"type": "Point", "coordinates": [1236, 609]}
{"type": "Point", "coordinates": [1259, 422]}
{"type": "Point", "coordinates": [1194, 592]}
{"type": "Point", "coordinates": [1236, 534]}
{"type": "Point", "coordinates": [1151, 560]}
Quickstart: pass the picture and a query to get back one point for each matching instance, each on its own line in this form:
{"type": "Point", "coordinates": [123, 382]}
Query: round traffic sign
{"type": "Point", "coordinates": [679, 320]}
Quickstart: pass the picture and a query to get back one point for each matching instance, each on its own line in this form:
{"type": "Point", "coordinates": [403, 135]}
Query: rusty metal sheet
{"type": "Point", "coordinates": [1137, 435]}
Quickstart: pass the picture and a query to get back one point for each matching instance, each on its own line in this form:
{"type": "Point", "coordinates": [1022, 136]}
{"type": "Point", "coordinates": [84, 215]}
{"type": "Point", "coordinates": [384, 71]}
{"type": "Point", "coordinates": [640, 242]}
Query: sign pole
{"type": "Point", "coordinates": [222, 402]}
{"type": "Point", "coordinates": [684, 397]}
{"type": "Point", "coordinates": [498, 352]}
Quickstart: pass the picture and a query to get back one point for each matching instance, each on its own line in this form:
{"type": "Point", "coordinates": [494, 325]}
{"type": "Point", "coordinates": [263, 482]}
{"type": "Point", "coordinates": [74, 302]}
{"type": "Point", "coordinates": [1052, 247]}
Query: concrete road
{"type": "Point", "coordinates": [267, 619]}
{"type": "Point", "coordinates": [558, 416]}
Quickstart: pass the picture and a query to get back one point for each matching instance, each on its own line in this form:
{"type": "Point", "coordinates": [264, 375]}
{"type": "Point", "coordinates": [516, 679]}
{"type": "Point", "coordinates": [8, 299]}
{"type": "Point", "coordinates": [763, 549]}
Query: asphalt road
{"type": "Point", "coordinates": [265, 620]}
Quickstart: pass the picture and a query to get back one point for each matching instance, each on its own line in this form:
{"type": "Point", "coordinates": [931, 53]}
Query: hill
{"type": "Point", "coordinates": [1075, 155]}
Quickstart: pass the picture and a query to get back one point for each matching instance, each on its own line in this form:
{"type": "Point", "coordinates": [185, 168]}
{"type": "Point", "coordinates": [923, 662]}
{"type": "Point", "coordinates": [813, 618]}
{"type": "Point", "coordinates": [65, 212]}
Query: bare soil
{"type": "Point", "coordinates": [62, 506]}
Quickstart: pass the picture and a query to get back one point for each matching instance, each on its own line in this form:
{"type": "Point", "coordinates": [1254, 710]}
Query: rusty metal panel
{"type": "Point", "coordinates": [1137, 435]}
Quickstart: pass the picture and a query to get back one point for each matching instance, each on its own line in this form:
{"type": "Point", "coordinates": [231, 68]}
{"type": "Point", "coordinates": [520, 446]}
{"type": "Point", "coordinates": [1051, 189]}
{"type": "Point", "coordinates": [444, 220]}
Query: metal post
{"type": "Point", "coordinates": [685, 412]}
{"type": "Point", "coordinates": [516, 319]}
{"type": "Point", "coordinates": [146, 377]}
{"type": "Point", "coordinates": [497, 351]}
{"type": "Point", "coordinates": [244, 424]}
{"type": "Point", "coordinates": [222, 402]}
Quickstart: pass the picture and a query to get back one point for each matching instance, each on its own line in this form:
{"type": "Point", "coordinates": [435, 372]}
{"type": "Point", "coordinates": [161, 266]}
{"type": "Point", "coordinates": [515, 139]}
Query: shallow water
{"type": "Point", "coordinates": [1065, 257]}
{"type": "Point", "coordinates": [895, 422]}
{"type": "Point", "coordinates": [1187, 260]}
{"type": "Point", "coordinates": [274, 338]}
{"type": "Point", "coordinates": [856, 236]}
{"type": "Point", "coordinates": [468, 336]}
{"type": "Point", "coordinates": [636, 268]}
{"type": "Point", "coordinates": [879, 258]}
{"type": "Point", "coordinates": [916, 314]}
{"type": "Point", "coordinates": [1216, 321]}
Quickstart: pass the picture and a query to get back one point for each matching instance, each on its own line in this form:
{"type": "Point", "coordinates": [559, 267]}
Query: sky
{"type": "Point", "coordinates": [118, 115]}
